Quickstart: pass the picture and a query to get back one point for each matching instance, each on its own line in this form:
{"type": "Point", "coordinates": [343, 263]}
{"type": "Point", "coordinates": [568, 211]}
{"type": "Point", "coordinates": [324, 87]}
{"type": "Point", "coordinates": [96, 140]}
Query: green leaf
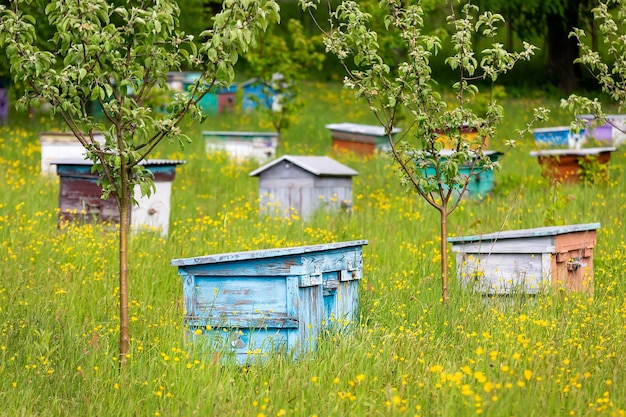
{"type": "Point", "coordinates": [95, 93]}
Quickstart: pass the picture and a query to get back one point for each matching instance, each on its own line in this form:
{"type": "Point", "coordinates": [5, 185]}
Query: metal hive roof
{"type": "Point", "coordinates": [322, 166]}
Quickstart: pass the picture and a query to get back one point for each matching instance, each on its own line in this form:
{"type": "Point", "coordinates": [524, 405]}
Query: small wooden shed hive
{"type": "Point", "coordinates": [528, 261]}
{"type": "Point", "coordinates": [360, 138]}
{"type": "Point", "coordinates": [303, 184]}
{"type": "Point", "coordinates": [57, 146]}
{"type": "Point", "coordinates": [249, 304]}
{"type": "Point", "coordinates": [80, 195]}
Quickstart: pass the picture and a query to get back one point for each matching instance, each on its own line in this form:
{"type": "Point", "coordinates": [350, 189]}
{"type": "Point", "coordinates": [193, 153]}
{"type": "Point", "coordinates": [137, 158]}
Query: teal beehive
{"type": "Point", "coordinates": [249, 304]}
{"type": "Point", "coordinates": [481, 180]}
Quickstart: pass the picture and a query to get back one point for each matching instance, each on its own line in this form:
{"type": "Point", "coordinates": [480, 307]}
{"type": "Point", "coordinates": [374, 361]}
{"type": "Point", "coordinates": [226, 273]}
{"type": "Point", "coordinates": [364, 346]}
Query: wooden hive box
{"type": "Point", "coordinates": [481, 182]}
{"type": "Point", "coordinates": [255, 93]}
{"type": "Point", "coordinates": [242, 145]}
{"type": "Point", "coordinates": [249, 304]}
{"type": "Point", "coordinates": [226, 98]}
{"type": "Point", "coordinates": [303, 184]}
{"type": "Point", "coordinates": [360, 138]}
{"type": "Point", "coordinates": [567, 165]}
{"type": "Point", "coordinates": [528, 261]}
{"type": "Point", "coordinates": [208, 103]}
{"type": "Point", "coordinates": [80, 195]}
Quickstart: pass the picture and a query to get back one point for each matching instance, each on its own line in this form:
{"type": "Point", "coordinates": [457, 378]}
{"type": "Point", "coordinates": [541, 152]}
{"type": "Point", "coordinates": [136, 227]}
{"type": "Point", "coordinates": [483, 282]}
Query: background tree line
{"type": "Point", "coordinates": [545, 23]}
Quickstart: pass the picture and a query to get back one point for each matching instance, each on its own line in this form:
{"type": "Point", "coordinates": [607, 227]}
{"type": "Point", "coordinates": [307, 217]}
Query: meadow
{"type": "Point", "coordinates": [555, 354]}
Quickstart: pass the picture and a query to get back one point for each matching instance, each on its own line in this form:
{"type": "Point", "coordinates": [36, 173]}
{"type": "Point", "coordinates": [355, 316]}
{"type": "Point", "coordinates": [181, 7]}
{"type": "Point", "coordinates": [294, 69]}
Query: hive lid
{"type": "Point", "coordinates": [322, 166]}
{"type": "Point", "coordinates": [239, 134]}
{"type": "Point", "coordinates": [489, 153]}
{"type": "Point", "coordinates": [373, 130]}
{"type": "Point", "coordinates": [264, 253]}
{"type": "Point", "coordinates": [577, 152]}
{"type": "Point", "coordinates": [145, 162]}
{"type": "Point", "coordinates": [526, 233]}
{"type": "Point", "coordinates": [46, 138]}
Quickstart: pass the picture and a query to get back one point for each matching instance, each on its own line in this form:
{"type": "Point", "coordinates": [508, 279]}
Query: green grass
{"type": "Point", "coordinates": [557, 354]}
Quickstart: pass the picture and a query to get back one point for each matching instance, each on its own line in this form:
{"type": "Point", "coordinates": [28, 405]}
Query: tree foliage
{"type": "Point", "coordinates": [551, 21]}
{"type": "Point", "coordinates": [280, 63]}
{"type": "Point", "coordinates": [116, 53]}
{"type": "Point", "coordinates": [410, 88]}
{"type": "Point", "coordinates": [609, 69]}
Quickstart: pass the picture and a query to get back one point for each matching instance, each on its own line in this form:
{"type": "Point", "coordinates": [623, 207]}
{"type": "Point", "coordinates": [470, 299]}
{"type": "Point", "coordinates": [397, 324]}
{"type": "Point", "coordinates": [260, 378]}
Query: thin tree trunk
{"type": "Point", "coordinates": [124, 211]}
{"type": "Point", "coordinates": [444, 254]}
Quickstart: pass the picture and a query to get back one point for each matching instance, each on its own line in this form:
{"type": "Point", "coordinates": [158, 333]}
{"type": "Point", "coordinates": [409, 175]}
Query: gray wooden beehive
{"type": "Point", "coordinates": [302, 184]}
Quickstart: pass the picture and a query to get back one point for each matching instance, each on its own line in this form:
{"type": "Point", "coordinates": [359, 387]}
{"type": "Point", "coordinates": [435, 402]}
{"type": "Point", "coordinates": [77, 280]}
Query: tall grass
{"type": "Point", "coordinates": [559, 354]}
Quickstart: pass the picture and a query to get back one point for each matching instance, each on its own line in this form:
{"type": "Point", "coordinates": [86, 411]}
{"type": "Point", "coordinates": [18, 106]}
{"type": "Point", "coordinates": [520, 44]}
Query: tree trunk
{"type": "Point", "coordinates": [444, 254]}
{"type": "Point", "coordinates": [124, 205]}
{"type": "Point", "coordinates": [563, 50]}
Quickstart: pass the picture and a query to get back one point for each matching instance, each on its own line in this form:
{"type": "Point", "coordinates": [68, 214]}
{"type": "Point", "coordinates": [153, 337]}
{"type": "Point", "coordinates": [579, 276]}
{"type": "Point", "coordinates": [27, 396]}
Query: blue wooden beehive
{"type": "Point", "coordinates": [252, 89]}
{"type": "Point", "coordinates": [249, 304]}
{"type": "Point", "coordinates": [558, 136]}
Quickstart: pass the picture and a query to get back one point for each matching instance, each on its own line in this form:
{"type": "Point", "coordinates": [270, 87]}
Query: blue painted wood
{"type": "Point", "coordinates": [254, 88]}
{"type": "Point", "coordinates": [248, 304]}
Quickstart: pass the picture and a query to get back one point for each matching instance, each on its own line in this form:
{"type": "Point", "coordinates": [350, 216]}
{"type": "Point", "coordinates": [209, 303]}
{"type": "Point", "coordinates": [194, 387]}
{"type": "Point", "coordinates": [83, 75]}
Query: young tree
{"type": "Point", "coordinates": [410, 88]}
{"type": "Point", "coordinates": [101, 51]}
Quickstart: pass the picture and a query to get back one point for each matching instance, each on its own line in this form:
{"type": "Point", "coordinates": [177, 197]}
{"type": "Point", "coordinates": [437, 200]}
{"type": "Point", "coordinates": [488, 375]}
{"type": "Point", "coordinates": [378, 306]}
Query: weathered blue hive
{"type": "Point", "coordinates": [249, 304]}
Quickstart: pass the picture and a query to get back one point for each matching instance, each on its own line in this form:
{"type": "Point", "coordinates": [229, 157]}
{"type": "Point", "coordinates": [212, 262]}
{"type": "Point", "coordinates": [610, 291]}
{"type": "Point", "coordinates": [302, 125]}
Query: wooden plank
{"type": "Point", "coordinates": [189, 295]}
{"type": "Point", "coordinates": [287, 183]}
{"type": "Point", "coordinates": [521, 245]}
{"type": "Point", "coordinates": [526, 233]}
{"type": "Point", "coordinates": [302, 264]}
{"type": "Point", "coordinates": [243, 321]}
{"type": "Point", "coordinates": [503, 273]}
{"type": "Point", "coordinates": [310, 309]}
{"type": "Point", "coordinates": [294, 298]}
{"type": "Point", "coordinates": [266, 253]}
{"type": "Point", "coordinates": [228, 295]}
{"type": "Point", "coordinates": [309, 280]}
